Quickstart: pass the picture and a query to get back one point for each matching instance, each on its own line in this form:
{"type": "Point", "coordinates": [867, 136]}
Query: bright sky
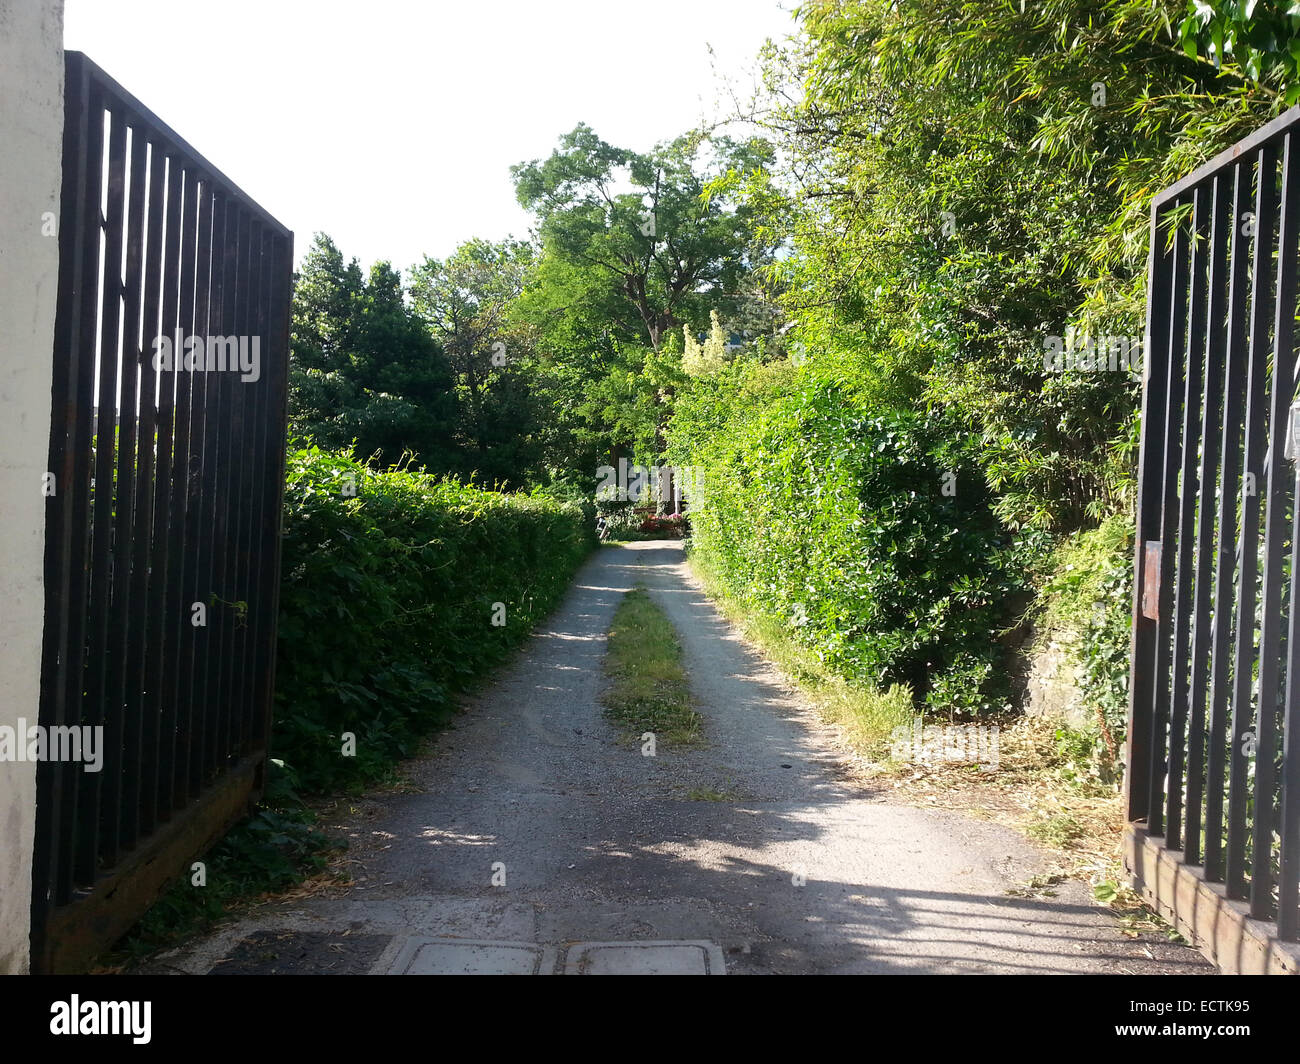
{"type": "Point", "coordinates": [392, 124]}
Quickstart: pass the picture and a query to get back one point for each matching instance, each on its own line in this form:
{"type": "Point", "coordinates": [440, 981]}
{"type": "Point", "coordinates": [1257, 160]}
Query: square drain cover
{"type": "Point", "coordinates": [644, 958]}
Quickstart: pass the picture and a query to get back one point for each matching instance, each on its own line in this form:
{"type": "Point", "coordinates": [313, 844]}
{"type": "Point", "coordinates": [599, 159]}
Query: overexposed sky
{"type": "Point", "coordinates": [392, 124]}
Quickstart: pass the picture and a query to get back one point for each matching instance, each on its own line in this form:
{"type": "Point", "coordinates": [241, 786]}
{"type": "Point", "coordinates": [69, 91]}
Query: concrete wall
{"type": "Point", "coordinates": [1050, 685]}
{"type": "Point", "coordinates": [31, 132]}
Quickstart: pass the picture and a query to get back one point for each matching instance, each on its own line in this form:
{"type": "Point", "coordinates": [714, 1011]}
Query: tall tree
{"type": "Point", "coordinates": [658, 254]}
{"type": "Point", "coordinates": [365, 373]}
{"type": "Point", "coordinates": [633, 246]}
{"type": "Point", "coordinates": [464, 300]}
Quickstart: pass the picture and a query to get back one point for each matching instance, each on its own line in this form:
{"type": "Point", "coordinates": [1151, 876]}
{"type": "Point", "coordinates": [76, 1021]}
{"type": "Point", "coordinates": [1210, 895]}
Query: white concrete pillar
{"type": "Point", "coordinates": [31, 133]}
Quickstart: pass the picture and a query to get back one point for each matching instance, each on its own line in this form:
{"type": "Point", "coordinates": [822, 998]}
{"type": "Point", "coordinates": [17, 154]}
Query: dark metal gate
{"type": "Point", "coordinates": [1214, 724]}
{"type": "Point", "coordinates": [162, 557]}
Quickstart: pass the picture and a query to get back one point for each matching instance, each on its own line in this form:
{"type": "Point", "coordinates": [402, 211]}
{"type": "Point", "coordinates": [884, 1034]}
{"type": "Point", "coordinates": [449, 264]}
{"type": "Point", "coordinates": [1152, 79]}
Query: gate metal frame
{"type": "Point", "coordinates": [1213, 763]}
{"type": "Point", "coordinates": [168, 492]}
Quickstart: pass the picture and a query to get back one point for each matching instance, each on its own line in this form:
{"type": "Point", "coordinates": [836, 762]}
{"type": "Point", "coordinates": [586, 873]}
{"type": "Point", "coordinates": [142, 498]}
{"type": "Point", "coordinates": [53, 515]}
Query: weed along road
{"type": "Point", "coordinates": [538, 837]}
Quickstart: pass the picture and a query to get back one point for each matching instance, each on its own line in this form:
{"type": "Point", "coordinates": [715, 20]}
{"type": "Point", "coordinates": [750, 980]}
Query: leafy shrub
{"type": "Point", "coordinates": [387, 603]}
{"type": "Point", "coordinates": [620, 516]}
{"type": "Point", "coordinates": [870, 533]}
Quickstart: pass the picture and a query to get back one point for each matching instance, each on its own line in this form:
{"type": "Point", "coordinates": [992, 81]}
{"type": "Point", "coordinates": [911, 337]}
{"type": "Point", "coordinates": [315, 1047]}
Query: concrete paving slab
{"type": "Point", "coordinates": [448, 956]}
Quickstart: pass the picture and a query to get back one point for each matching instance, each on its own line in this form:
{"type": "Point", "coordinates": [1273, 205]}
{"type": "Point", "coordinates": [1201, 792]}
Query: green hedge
{"type": "Point", "coordinates": [835, 518]}
{"type": "Point", "coordinates": [386, 604]}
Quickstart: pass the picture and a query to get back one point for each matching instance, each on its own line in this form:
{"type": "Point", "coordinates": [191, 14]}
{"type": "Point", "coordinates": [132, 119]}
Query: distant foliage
{"type": "Point", "coordinates": [387, 604]}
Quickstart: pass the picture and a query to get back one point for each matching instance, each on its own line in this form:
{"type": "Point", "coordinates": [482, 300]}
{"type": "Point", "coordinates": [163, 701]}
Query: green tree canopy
{"type": "Point", "coordinates": [364, 371]}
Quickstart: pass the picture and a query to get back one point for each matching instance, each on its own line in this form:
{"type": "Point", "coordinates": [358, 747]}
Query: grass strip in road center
{"type": "Point", "coordinates": [648, 690]}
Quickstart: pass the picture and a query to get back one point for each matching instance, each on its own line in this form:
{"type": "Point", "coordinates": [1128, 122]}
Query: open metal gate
{"type": "Point", "coordinates": [1214, 724]}
{"type": "Point", "coordinates": [166, 478]}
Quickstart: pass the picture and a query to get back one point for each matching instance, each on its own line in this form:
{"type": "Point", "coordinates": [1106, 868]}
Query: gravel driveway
{"type": "Point", "coordinates": [535, 825]}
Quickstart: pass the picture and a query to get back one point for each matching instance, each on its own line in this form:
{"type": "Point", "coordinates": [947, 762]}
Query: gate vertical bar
{"type": "Point", "coordinates": [1188, 493]}
{"type": "Point", "coordinates": [1150, 491]}
{"type": "Point", "coordinates": [1167, 538]}
{"type": "Point", "coordinates": [1207, 481]}
{"type": "Point", "coordinates": [69, 462]}
{"type": "Point", "coordinates": [145, 754]}
{"type": "Point", "coordinates": [97, 710]}
{"type": "Point", "coordinates": [1225, 562]}
{"type": "Point", "coordinates": [1278, 500]}
{"type": "Point", "coordinates": [121, 772]}
{"type": "Point", "coordinates": [1248, 537]}
{"type": "Point", "coordinates": [1288, 905]}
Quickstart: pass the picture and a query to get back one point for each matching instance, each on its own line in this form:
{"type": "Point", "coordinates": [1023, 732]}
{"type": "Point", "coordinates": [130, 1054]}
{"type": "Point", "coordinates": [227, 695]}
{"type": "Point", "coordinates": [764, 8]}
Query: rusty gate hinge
{"type": "Point", "coordinates": [1151, 580]}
